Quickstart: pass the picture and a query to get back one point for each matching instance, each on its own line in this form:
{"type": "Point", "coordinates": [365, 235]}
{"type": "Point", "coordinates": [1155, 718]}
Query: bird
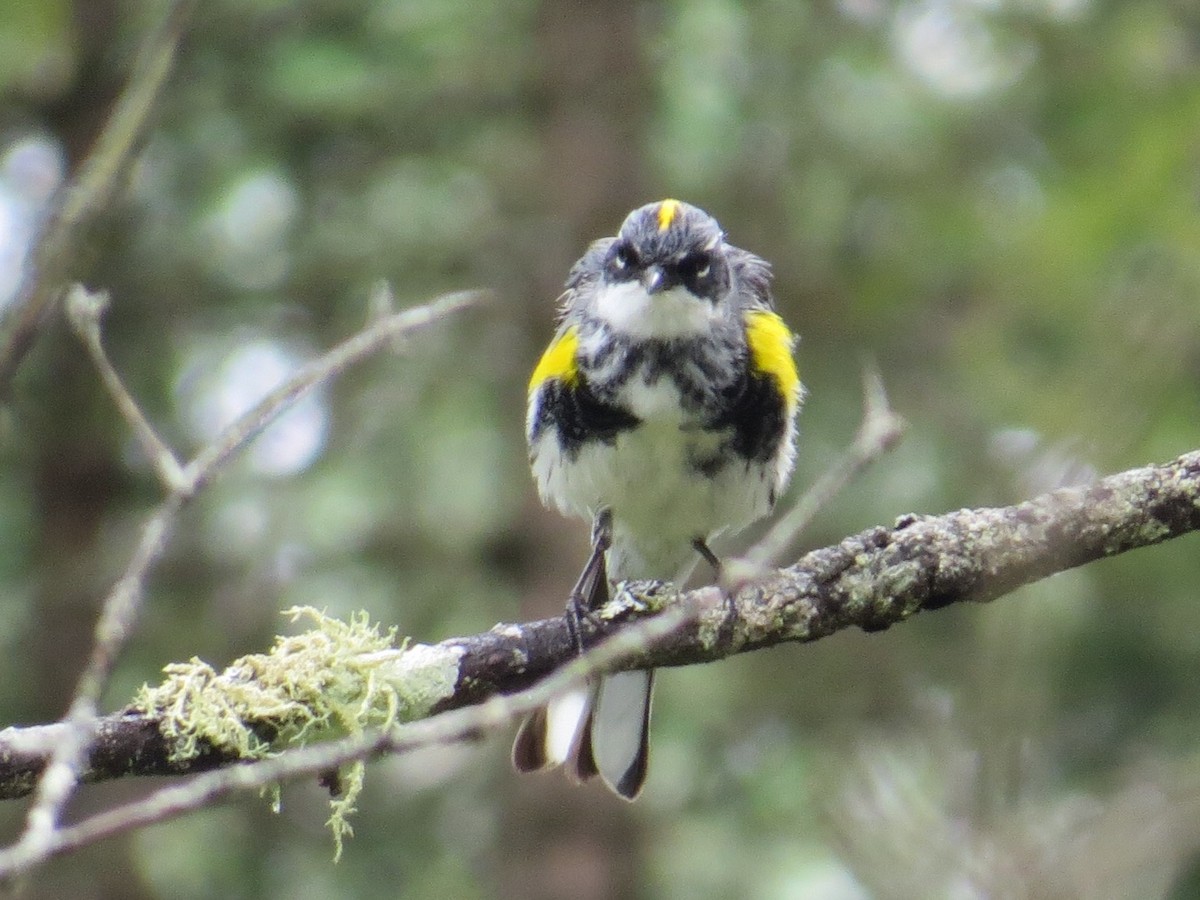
{"type": "Point", "coordinates": [663, 411]}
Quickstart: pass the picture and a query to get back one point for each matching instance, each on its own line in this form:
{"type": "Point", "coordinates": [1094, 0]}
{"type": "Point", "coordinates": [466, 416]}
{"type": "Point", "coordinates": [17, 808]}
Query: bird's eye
{"type": "Point", "coordinates": [695, 266]}
{"type": "Point", "coordinates": [624, 257]}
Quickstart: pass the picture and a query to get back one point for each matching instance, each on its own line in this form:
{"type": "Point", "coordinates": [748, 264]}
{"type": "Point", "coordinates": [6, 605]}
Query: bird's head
{"type": "Point", "coordinates": [668, 245]}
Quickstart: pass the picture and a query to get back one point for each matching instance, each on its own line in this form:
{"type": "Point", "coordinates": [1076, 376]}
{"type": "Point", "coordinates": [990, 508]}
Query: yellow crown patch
{"type": "Point", "coordinates": [667, 211]}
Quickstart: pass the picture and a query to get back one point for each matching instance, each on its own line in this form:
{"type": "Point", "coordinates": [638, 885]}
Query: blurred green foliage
{"type": "Point", "coordinates": [997, 202]}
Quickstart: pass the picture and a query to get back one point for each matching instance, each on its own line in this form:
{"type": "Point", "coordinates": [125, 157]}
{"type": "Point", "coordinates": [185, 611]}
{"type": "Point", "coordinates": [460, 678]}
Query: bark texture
{"type": "Point", "coordinates": [870, 580]}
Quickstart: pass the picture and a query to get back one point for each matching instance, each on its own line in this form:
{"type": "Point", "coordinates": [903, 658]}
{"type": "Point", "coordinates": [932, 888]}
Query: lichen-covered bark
{"type": "Point", "coordinates": [871, 580]}
{"type": "Point", "coordinates": [884, 575]}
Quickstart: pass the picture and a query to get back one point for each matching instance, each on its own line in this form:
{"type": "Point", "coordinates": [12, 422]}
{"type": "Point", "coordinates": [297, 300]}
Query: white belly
{"type": "Point", "coordinates": [659, 500]}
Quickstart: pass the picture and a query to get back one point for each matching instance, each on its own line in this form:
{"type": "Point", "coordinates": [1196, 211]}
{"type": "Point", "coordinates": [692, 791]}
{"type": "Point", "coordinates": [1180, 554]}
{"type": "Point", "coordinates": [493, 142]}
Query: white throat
{"type": "Point", "coordinates": [628, 309]}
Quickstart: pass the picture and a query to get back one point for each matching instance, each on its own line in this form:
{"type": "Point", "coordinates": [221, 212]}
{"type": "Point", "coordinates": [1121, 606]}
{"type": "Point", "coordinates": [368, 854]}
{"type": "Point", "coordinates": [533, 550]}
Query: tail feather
{"type": "Point", "coordinates": [580, 761]}
{"type": "Point", "coordinates": [608, 729]}
{"type": "Point", "coordinates": [548, 735]}
{"type": "Point", "coordinates": [605, 729]}
{"type": "Point", "coordinates": [620, 730]}
{"type": "Point", "coordinates": [529, 747]}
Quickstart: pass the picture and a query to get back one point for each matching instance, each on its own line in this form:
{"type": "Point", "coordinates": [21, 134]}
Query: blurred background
{"type": "Point", "coordinates": [995, 200]}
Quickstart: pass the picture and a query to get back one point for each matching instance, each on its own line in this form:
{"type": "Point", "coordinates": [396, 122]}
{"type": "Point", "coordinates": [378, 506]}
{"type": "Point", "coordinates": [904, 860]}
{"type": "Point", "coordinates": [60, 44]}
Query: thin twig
{"type": "Point", "coordinates": [208, 461]}
{"type": "Point", "coordinates": [121, 607]}
{"type": "Point", "coordinates": [880, 430]}
{"type": "Point", "coordinates": [871, 580]}
{"type": "Point", "coordinates": [84, 311]}
{"type": "Point", "coordinates": [444, 728]}
{"type": "Point", "coordinates": [50, 261]}
{"type": "Point", "coordinates": [116, 620]}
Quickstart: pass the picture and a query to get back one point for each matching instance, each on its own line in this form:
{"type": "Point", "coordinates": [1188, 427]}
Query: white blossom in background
{"type": "Point", "coordinates": [951, 47]}
{"type": "Point", "coordinates": [220, 382]}
{"type": "Point", "coordinates": [31, 169]}
{"type": "Point", "coordinates": [249, 230]}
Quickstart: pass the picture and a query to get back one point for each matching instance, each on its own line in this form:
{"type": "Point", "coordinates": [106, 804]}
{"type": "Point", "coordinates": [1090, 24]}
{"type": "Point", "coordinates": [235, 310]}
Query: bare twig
{"type": "Point", "coordinates": [122, 605]}
{"type": "Point", "coordinates": [84, 311]}
{"type": "Point", "coordinates": [382, 331]}
{"type": "Point", "coordinates": [50, 261]}
{"type": "Point", "coordinates": [880, 430]}
{"type": "Point", "coordinates": [448, 727]}
{"type": "Point", "coordinates": [116, 620]}
{"type": "Point", "coordinates": [871, 580]}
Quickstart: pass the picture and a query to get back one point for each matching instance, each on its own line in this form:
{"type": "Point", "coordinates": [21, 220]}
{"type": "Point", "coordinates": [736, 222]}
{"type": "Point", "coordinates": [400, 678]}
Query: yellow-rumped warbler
{"type": "Point", "coordinates": [664, 411]}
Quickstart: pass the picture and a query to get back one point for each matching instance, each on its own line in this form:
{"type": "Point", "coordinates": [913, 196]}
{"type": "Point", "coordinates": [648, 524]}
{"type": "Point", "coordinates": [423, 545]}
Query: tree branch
{"type": "Point", "coordinates": [871, 580]}
{"type": "Point", "coordinates": [126, 737]}
{"type": "Point", "coordinates": [72, 754]}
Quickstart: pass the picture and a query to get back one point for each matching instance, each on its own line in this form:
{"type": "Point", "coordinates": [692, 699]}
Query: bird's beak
{"type": "Point", "coordinates": [653, 279]}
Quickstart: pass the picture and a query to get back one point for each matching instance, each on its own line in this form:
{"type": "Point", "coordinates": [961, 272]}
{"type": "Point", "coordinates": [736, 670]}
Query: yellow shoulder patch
{"type": "Point", "coordinates": [771, 352]}
{"type": "Point", "coordinates": [667, 211]}
{"type": "Point", "coordinates": [558, 361]}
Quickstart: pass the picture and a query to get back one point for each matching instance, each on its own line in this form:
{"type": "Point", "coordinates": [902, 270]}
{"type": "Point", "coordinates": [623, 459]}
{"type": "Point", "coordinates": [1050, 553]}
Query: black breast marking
{"type": "Point", "coordinates": [579, 416]}
{"type": "Point", "coordinates": [755, 416]}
